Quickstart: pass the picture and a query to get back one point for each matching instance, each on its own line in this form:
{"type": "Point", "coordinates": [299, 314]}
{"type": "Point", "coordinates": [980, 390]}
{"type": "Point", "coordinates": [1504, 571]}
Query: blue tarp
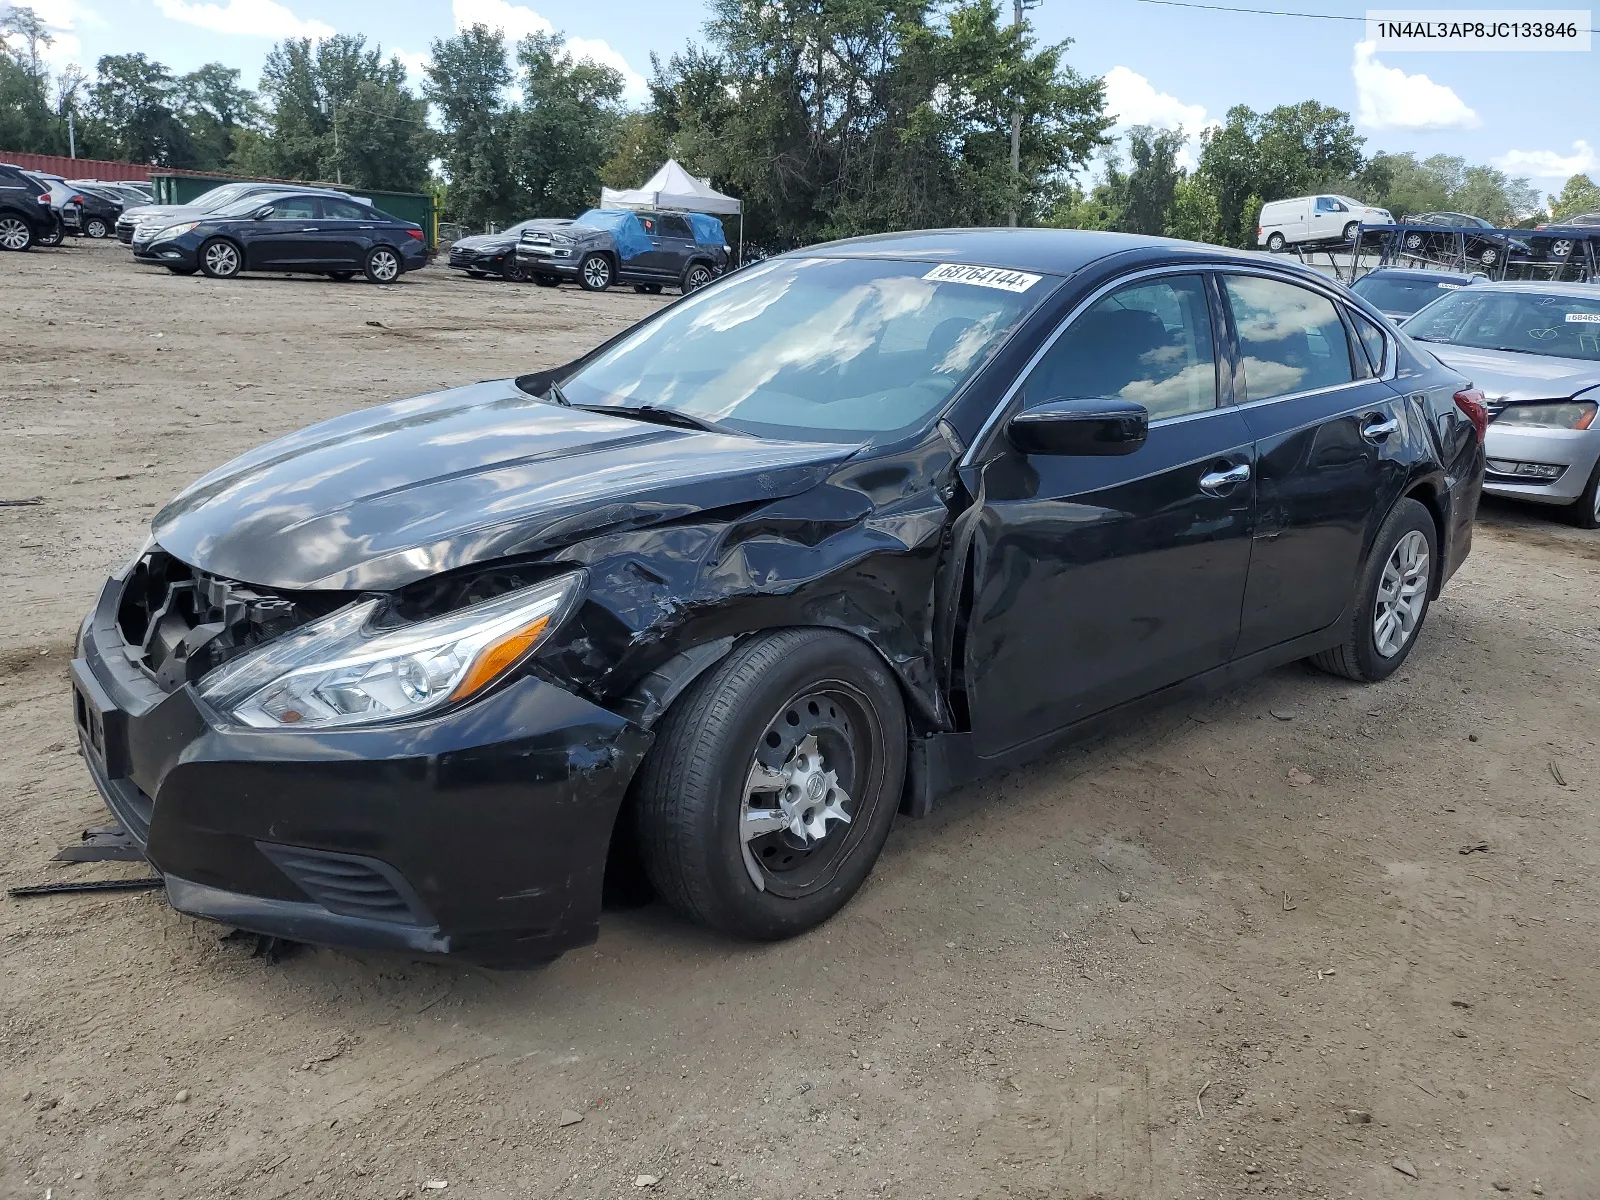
{"type": "Point", "coordinates": [623, 226]}
{"type": "Point", "coordinates": [707, 230]}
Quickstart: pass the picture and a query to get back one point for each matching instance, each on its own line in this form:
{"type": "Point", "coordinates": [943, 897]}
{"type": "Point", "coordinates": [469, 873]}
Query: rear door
{"type": "Point", "coordinates": [1330, 440]}
{"type": "Point", "coordinates": [1097, 580]}
{"type": "Point", "coordinates": [346, 231]}
{"type": "Point", "coordinates": [653, 264]}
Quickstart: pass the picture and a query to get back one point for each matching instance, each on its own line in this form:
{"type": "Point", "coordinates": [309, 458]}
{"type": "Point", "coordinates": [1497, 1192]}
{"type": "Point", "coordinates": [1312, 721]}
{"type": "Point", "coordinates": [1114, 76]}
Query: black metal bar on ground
{"type": "Point", "coordinates": [110, 844]}
{"type": "Point", "coordinates": [88, 885]}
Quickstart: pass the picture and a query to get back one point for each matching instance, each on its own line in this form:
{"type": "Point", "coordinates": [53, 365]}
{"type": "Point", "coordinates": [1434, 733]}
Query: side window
{"type": "Point", "coordinates": [343, 210]}
{"type": "Point", "coordinates": [1373, 341]}
{"type": "Point", "coordinates": [1324, 203]}
{"type": "Point", "coordinates": [1291, 338]}
{"type": "Point", "coordinates": [649, 225]}
{"type": "Point", "coordinates": [294, 208]}
{"type": "Point", "coordinates": [675, 227]}
{"type": "Point", "coordinates": [1148, 342]}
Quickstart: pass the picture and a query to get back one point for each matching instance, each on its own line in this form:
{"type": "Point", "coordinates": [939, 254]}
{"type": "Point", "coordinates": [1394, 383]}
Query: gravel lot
{"type": "Point", "coordinates": [1164, 964]}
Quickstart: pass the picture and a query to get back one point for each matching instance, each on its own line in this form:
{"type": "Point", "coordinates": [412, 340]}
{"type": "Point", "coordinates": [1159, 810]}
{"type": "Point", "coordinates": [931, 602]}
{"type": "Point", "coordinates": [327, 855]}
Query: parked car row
{"type": "Point", "coordinates": [649, 249]}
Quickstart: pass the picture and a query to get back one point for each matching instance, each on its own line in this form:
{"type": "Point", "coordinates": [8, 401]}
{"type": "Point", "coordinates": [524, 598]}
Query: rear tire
{"type": "Point", "coordinates": [1275, 242]}
{"type": "Point", "coordinates": [1488, 256]}
{"type": "Point", "coordinates": [1394, 583]}
{"type": "Point", "coordinates": [696, 277]}
{"type": "Point", "coordinates": [1585, 511]}
{"type": "Point", "coordinates": [95, 228]}
{"type": "Point", "coordinates": [647, 289]}
{"type": "Point", "coordinates": [15, 234]}
{"type": "Point", "coordinates": [383, 265]}
{"type": "Point", "coordinates": [595, 273]}
{"type": "Point", "coordinates": [53, 237]}
{"type": "Point", "coordinates": [220, 258]}
{"type": "Point", "coordinates": [808, 705]}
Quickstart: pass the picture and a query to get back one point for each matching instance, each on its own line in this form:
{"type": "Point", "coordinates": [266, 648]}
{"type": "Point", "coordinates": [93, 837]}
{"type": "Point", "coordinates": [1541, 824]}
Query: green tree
{"type": "Point", "coordinates": [466, 81]}
{"type": "Point", "coordinates": [341, 112]}
{"type": "Point", "coordinates": [1194, 215]}
{"type": "Point", "coordinates": [565, 129]}
{"type": "Point", "coordinates": [135, 103]}
{"type": "Point", "coordinates": [1294, 150]}
{"type": "Point", "coordinates": [1406, 185]}
{"type": "Point", "coordinates": [1581, 194]}
{"type": "Point", "coordinates": [27, 122]}
{"type": "Point", "coordinates": [642, 145]}
{"type": "Point", "coordinates": [1152, 179]}
{"type": "Point", "coordinates": [217, 109]}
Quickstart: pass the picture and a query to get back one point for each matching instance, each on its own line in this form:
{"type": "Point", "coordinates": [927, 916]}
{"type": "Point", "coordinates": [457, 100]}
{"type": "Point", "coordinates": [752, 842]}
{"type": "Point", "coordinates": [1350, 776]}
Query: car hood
{"type": "Point", "coordinates": [383, 497]}
{"type": "Point", "coordinates": [486, 241]}
{"type": "Point", "coordinates": [1507, 376]}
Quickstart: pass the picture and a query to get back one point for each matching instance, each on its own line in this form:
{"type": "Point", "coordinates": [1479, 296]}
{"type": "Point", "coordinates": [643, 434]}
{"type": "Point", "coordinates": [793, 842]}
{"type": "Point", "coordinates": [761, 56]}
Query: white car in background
{"type": "Point", "coordinates": [1305, 219]}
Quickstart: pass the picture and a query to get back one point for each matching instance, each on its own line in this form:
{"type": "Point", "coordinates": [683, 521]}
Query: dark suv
{"type": "Point", "coordinates": [25, 213]}
{"type": "Point", "coordinates": [650, 250]}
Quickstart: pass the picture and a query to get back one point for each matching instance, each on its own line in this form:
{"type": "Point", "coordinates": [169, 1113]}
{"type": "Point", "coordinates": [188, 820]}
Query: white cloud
{"type": "Point", "coordinates": [1131, 99]}
{"type": "Point", "coordinates": [62, 18]}
{"type": "Point", "coordinates": [251, 18]}
{"type": "Point", "coordinates": [1551, 164]}
{"type": "Point", "coordinates": [518, 22]}
{"type": "Point", "coordinates": [1388, 98]}
{"type": "Point", "coordinates": [415, 64]}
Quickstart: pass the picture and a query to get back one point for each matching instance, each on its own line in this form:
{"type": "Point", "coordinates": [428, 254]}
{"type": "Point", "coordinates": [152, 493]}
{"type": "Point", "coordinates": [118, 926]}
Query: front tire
{"type": "Point", "coordinates": [1392, 598]}
{"type": "Point", "coordinates": [773, 782]}
{"type": "Point", "coordinates": [1351, 228]}
{"type": "Point", "coordinates": [1275, 242]}
{"type": "Point", "coordinates": [1488, 256]}
{"type": "Point", "coordinates": [182, 270]}
{"type": "Point", "coordinates": [595, 273]}
{"type": "Point", "coordinates": [15, 234]}
{"type": "Point", "coordinates": [341, 276]}
{"type": "Point", "coordinates": [220, 258]}
{"type": "Point", "coordinates": [1585, 511]}
{"type": "Point", "coordinates": [383, 265]}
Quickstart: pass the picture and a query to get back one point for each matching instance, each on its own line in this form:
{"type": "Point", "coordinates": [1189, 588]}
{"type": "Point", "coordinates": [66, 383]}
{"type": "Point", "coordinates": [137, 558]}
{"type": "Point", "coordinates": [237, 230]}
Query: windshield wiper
{"type": "Point", "coordinates": [1417, 337]}
{"type": "Point", "coordinates": [554, 392]}
{"type": "Point", "coordinates": [656, 414]}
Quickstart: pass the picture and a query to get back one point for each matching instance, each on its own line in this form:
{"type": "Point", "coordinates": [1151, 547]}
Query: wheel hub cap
{"type": "Point", "coordinates": [13, 234]}
{"type": "Point", "coordinates": [1402, 595]}
{"type": "Point", "coordinates": [799, 799]}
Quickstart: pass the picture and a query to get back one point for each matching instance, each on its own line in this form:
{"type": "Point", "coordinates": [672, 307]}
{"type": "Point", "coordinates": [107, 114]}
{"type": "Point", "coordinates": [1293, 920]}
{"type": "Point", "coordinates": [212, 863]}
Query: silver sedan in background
{"type": "Point", "coordinates": [1534, 351]}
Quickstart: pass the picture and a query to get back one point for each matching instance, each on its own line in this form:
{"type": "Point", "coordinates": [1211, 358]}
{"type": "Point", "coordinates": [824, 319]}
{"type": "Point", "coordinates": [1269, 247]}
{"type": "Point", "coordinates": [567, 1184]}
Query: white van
{"type": "Point", "coordinates": [1315, 219]}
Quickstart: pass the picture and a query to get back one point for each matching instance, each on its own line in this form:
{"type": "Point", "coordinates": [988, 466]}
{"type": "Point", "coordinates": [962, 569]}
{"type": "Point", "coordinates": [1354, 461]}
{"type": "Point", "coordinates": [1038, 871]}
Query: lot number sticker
{"type": "Point", "coordinates": [989, 277]}
{"type": "Point", "coordinates": [1583, 318]}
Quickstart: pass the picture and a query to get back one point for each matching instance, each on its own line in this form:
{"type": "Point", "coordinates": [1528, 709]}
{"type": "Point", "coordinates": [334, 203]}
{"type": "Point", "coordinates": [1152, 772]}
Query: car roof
{"type": "Point", "coordinates": [1050, 251]}
{"type": "Point", "coordinates": [1418, 273]}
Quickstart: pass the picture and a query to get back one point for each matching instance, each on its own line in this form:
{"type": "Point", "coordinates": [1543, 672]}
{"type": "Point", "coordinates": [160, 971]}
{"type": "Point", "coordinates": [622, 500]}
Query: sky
{"type": "Point", "coordinates": [1531, 114]}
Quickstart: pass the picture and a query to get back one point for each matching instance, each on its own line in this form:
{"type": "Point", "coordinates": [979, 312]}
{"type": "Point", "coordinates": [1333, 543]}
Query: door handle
{"type": "Point", "coordinates": [1217, 482]}
{"type": "Point", "coordinates": [310, 229]}
{"type": "Point", "coordinates": [1377, 429]}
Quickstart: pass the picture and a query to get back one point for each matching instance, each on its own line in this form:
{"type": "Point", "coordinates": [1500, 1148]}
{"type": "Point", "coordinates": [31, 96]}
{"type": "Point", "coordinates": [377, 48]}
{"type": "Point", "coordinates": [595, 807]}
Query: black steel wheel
{"type": "Point", "coordinates": [1275, 242]}
{"type": "Point", "coordinates": [772, 784]}
{"type": "Point", "coordinates": [513, 270]}
{"type": "Point", "coordinates": [220, 258]}
{"type": "Point", "coordinates": [696, 277]}
{"type": "Point", "coordinates": [594, 273]}
{"type": "Point", "coordinates": [15, 233]}
{"type": "Point", "coordinates": [383, 265]}
{"type": "Point", "coordinates": [1391, 599]}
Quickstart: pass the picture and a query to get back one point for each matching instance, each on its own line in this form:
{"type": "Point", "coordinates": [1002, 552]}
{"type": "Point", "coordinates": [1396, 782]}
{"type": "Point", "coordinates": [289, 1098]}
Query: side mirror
{"type": "Point", "coordinates": [261, 214]}
{"type": "Point", "coordinates": [1080, 427]}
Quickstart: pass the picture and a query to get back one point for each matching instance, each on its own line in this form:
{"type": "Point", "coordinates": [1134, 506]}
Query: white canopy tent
{"type": "Point", "coordinates": [674, 188]}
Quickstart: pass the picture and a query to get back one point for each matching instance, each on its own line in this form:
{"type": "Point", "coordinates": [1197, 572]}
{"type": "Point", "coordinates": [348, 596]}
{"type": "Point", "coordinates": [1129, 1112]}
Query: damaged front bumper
{"type": "Point", "coordinates": [481, 834]}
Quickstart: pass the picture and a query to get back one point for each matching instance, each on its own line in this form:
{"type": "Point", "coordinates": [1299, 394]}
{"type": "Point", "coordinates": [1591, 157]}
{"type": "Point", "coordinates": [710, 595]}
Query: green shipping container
{"type": "Point", "coordinates": [174, 188]}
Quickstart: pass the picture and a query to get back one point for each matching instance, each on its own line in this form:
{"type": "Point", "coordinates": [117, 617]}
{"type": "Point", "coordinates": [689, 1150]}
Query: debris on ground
{"type": "Point", "coordinates": [570, 1116]}
{"type": "Point", "coordinates": [1403, 1165]}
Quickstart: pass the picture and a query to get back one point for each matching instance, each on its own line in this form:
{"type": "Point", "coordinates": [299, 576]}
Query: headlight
{"type": "Point", "coordinates": [342, 670]}
{"type": "Point", "coordinates": [172, 231]}
{"type": "Point", "coordinates": [1563, 414]}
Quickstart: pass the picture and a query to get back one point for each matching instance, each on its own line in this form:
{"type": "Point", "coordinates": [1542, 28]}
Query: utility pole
{"type": "Point", "coordinates": [1018, 7]}
{"type": "Point", "coordinates": [338, 158]}
{"type": "Point", "coordinates": [72, 135]}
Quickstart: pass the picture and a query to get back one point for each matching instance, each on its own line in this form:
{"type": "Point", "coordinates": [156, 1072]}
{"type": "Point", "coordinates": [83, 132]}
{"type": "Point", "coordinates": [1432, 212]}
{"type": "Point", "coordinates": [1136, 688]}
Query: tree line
{"type": "Point", "coordinates": [827, 120]}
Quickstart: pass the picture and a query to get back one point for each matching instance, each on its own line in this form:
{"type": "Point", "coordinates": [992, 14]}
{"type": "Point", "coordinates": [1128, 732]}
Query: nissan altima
{"type": "Point", "coordinates": [711, 604]}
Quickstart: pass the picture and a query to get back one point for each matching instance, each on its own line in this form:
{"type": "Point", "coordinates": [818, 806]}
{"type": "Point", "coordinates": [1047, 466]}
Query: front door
{"type": "Point", "coordinates": [1326, 219]}
{"type": "Point", "coordinates": [1099, 580]}
{"type": "Point", "coordinates": [287, 236]}
{"type": "Point", "coordinates": [1328, 436]}
{"type": "Point", "coordinates": [677, 244]}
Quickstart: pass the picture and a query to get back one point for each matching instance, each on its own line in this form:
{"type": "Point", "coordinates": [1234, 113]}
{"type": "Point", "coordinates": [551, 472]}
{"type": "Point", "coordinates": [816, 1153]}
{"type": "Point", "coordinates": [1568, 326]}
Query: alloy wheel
{"type": "Point", "coordinates": [798, 808]}
{"type": "Point", "coordinates": [385, 266]}
{"type": "Point", "coordinates": [1402, 594]}
{"type": "Point", "coordinates": [1489, 257]}
{"type": "Point", "coordinates": [96, 228]}
{"type": "Point", "coordinates": [13, 234]}
{"type": "Point", "coordinates": [698, 277]}
{"type": "Point", "coordinates": [597, 273]}
{"type": "Point", "coordinates": [1414, 241]}
{"type": "Point", "coordinates": [1561, 248]}
{"type": "Point", "coordinates": [221, 259]}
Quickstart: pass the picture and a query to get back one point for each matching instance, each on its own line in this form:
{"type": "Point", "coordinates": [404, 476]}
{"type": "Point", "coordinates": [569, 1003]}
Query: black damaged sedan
{"type": "Point", "coordinates": [710, 605]}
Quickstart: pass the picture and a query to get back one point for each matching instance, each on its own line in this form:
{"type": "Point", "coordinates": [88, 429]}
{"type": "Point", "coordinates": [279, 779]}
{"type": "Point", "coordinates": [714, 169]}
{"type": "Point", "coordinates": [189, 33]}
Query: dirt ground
{"type": "Point", "coordinates": [1164, 964]}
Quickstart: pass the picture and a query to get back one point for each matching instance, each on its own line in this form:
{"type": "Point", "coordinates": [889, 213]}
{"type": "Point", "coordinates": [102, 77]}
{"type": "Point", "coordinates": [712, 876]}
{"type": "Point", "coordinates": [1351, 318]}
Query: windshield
{"type": "Point", "coordinates": [218, 197]}
{"type": "Point", "coordinates": [1550, 324]}
{"type": "Point", "coordinates": [243, 206]}
{"type": "Point", "coordinates": [1400, 295]}
{"type": "Point", "coordinates": [815, 348]}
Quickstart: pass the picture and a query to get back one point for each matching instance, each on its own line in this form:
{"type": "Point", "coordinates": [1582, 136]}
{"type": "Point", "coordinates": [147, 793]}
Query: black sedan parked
{"type": "Point", "coordinates": [1458, 235]}
{"type": "Point", "coordinates": [714, 601]}
{"type": "Point", "coordinates": [311, 234]}
{"type": "Point", "coordinates": [101, 208]}
{"type": "Point", "coordinates": [485, 254]}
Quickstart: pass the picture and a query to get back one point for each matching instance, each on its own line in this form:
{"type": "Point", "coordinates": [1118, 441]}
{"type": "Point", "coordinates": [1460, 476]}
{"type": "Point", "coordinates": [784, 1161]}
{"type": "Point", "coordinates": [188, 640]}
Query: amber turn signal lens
{"type": "Point", "coordinates": [497, 656]}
